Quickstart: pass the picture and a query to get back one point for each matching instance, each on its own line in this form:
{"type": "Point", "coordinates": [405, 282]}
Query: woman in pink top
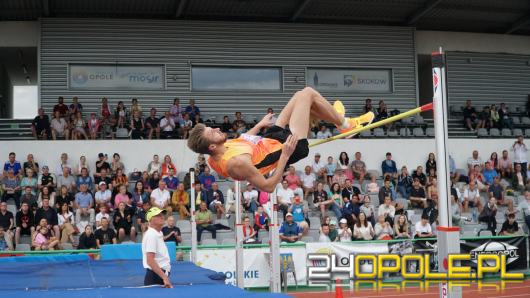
{"type": "Point", "coordinates": [93, 126]}
{"type": "Point", "coordinates": [42, 240]}
{"type": "Point", "coordinates": [263, 197]}
{"type": "Point", "coordinates": [122, 196]}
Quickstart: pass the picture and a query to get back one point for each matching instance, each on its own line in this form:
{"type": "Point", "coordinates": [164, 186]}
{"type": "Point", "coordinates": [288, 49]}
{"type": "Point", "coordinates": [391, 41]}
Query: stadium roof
{"type": "Point", "coordinates": [485, 16]}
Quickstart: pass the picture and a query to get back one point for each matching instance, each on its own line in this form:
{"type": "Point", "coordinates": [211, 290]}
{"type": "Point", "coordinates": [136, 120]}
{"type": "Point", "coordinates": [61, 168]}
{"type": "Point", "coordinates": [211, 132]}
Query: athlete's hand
{"type": "Point", "coordinates": [167, 284]}
{"type": "Point", "coordinates": [289, 146]}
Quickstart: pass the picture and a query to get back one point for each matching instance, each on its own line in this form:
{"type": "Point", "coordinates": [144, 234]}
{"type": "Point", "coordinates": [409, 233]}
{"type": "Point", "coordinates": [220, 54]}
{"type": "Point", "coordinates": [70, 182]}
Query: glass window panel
{"type": "Point", "coordinates": [236, 78]}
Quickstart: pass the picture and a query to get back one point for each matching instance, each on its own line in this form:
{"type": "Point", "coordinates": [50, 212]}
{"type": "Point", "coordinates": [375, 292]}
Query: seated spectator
{"type": "Point", "coordinates": [518, 178]}
{"type": "Point", "coordinates": [180, 202]}
{"type": "Point", "coordinates": [154, 181]}
{"type": "Point", "coordinates": [284, 196]}
{"type": "Point", "coordinates": [79, 125]}
{"type": "Point", "coordinates": [359, 168]}
{"type": "Point", "coordinates": [387, 210]}
{"type": "Point", "coordinates": [116, 165]}
{"type": "Point", "coordinates": [204, 221]}
{"type": "Point", "coordinates": [103, 196]}
{"type": "Point", "coordinates": [161, 198]}
{"type": "Point", "coordinates": [167, 127]}
{"type": "Point", "coordinates": [423, 228]}
{"type": "Point", "coordinates": [171, 181]}
{"type": "Point", "coordinates": [67, 180]}
{"type": "Point", "coordinates": [40, 126]}
{"type": "Point", "coordinates": [139, 195]}
{"type": "Point", "coordinates": [261, 220]}
{"type": "Point", "coordinates": [103, 213]}
{"type": "Point", "coordinates": [510, 226]}
{"type": "Point", "coordinates": [13, 164]}
{"type": "Point", "coordinates": [524, 208]}
{"type": "Point", "coordinates": [192, 109]}
{"type": "Point", "coordinates": [319, 168]}
{"type": "Point", "coordinates": [50, 215]}
{"type": "Point", "coordinates": [324, 233]}
{"type": "Point", "coordinates": [30, 163]}
{"type": "Point", "coordinates": [349, 190]}
{"type": "Point", "coordinates": [330, 170]}
{"type": "Point", "coordinates": [494, 160]}
{"type": "Point", "coordinates": [504, 116]}
{"type": "Point", "coordinates": [166, 166]}
{"type": "Point", "coordinates": [171, 232]}
{"type": "Point", "coordinates": [488, 215]}
{"type": "Point", "coordinates": [123, 222]}
{"type": "Point", "coordinates": [420, 175]}
{"type": "Point", "coordinates": [339, 178]}
{"type": "Point", "coordinates": [489, 174]}
{"type": "Point", "coordinates": [432, 193]}
{"type": "Point", "coordinates": [93, 125]}
{"type": "Point", "coordinates": [470, 116]}
{"type": "Point", "coordinates": [497, 191]}
{"type": "Point", "coordinates": [226, 126]}
{"type": "Point", "coordinates": [63, 164]}
{"type": "Point", "coordinates": [59, 127]}
{"type": "Point", "coordinates": [474, 161]}
{"type": "Point", "coordinates": [87, 240]}
{"type": "Point", "coordinates": [83, 163]}
{"type": "Point", "coordinates": [154, 165]}
{"type": "Point", "coordinates": [323, 132]}
{"type": "Point", "coordinates": [333, 233]}
{"type": "Point", "coordinates": [83, 206]}
{"type": "Point", "coordinates": [520, 154]}
{"type": "Point", "coordinates": [4, 245]}
{"type": "Point", "coordinates": [186, 124]}
{"type": "Point", "coordinates": [344, 164]}
{"type": "Point", "coordinates": [404, 185]}
{"type": "Point", "coordinates": [121, 114]}
{"type": "Point", "coordinates": [108, 127]}
{"type": "Point", "coordinates": [122, 197]}
{"type": "Point", "coordinates": [385, 191]}
{"type": "Point", "coordinates": [135, 107]}
{"type": "Point", "coordinates": [105, 235]}
{"type": "Point", "coordinates": [308, 182]}
{"type": "Point", "coordinates": [43, 241]}
{"type": "Point", "coordinates": [417, 197]}
{"type": "Point", "coordinates": [215, 200]}
{"type": "Point", "coordinates": [63, 197]}
{"type": "Point", "coordinates": [290, 232]}
{"type": "Point", "coordinates": [484, 118]}
{"type": "Point", "coordinates": [101, 164]}
{"type": "Point", "coordinates": [368, 209]}
{"type": "Point", "coordinates": [494, 117]}
{"type": "Point", "coordinates": [388, 167]}
{"type": "Point", "coordinates": [66, 224]}
{"type": "Point", "coordinates": [31, 199]}
{"type": "Point", "coordinates": [505, 165]}
{"type": "Point", "coordinates": [7, 222]}
{"type": "Point", "coordinates": [372, 186]}
{"type": "Point", "coordinates": [11, 187]}
{"type": "Point", "coordinates": [152, 125]}
{"type": "Point", "coordinates": [299, 212]}
{"type": "Point", "coordinates": [206, 179]}
{"type": "Point", "coordinates": [141, 220]}
{"type": "Point", "coordinates": [250, 199]}
{"type": "Point", "coordinates": [349, 210]}
{"type": "Point", "coordinates": [344, 232]}
{"type": "Point", "coordinates": [401, 228]}
{"type": "Point", "coordinates": [383, 230]}
{"type": "Point", "coordinates": [47, 179]}
{"type": "Point", "coordinates": [84, 178]}
{"type": "Point", "coordinates": [335, 193]}
{"type": "Point", "coordinates": [456, 218]}
{"type": "Point", "coordinates": [25, 221]}
{"type": "Point", "coordinates": [472, 197]}
{"type": "Point", "coordinates": [368, 106]}
{"type": "Point", "coordinates": [239, 125]}
{"type": "Point", "coordinates": [363, 230]}
{"type": "Point", "coordinates": [323, 202]}
{"type": "Point", "coordinates": [249, 233]}
{"type": "Point", "coordinates": [137, 126]}
{"type": "Point", "coordinates": [478, 177]}
{"type": "Point", "coordinates": [176, 110]}
{"type": "Point", "coordinates": [75, 106]}
{"type": "Point", "coordinates": [430, 163]}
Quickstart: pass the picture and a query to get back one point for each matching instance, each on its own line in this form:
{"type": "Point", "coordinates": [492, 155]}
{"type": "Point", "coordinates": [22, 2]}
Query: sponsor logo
{"type": "Point", "coordinates": [495, 248]}
{"type": "Point", "coordinates": [80, 77]}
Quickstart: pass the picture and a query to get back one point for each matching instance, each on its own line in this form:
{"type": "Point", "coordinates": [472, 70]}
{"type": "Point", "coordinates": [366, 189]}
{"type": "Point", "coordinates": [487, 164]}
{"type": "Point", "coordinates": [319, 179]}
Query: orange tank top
{"type": "Point", "coordinates": [264, 153]}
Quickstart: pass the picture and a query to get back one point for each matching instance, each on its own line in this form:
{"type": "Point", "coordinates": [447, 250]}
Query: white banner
{"type": "Point", "coordinates": [257, 269]}
{"type": "Point", "coordinates": [116, 76]}
{"type": "Point", "coordinates": [361, 80]}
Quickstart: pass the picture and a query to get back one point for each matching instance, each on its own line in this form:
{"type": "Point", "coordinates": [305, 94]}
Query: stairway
{"type": "Point", "coordinates": [15, 129]}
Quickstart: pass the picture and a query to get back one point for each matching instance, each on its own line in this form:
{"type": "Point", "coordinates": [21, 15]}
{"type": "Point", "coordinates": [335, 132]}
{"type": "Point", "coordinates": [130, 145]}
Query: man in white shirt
{"type": "Point", "coordinates": [167, 126]}
{"type": "Point", "coordinates": [160, 197]}
{"type": "Point", "coordinates": [308, 182]}
{"type": "Point", "coordinates": [103, 196]}
{"type": "Point", "coordinates": [155, 256]}
{"type": "Point", "coordinates": [324, 233]}
{"type": "Point", "coordinates": [475, 160]}
{"type": "Point", "coordinates": [323, 132]}
{"type": "Point", "coordinates": [284, 196]}
{"type": "Point", "coordinates": [319, 168]}
{"type": "Point", "coordinates": [59, 127]}
{"type": "Point", "coordinates": [472, 197]}
{"type": "Point", "coordinates": [519, 151]}
{"type": "Point", "coordinates": [423, 228]}
{"type": "Point", "coordinates": [250, 199]}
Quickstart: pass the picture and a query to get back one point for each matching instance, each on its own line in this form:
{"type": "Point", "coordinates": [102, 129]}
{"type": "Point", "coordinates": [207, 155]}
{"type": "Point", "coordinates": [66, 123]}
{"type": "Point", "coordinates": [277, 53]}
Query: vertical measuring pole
{"type": "Point", "coordinates": [274, 236]}
{"type": "Point", "coordinates": [240, 269]}
{"type": "Point", "coordinates": [448, 237]}
{"type": "Point", "coordinates": [193, 223]}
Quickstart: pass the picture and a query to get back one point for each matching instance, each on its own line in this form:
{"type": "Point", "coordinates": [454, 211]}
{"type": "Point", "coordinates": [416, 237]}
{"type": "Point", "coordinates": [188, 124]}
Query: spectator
{"type": "Point", "coordinates": [432, 193]}
{"type": "Point", "coordinates": [61, 108]}
{"type": "Point", "coordinates": [290, 232]}
{"type": "Point", "coordinates": [299, 212]}
{"type": "Point", "coordinates": [40, 126]}
{"type": "Point", "coordinates": [171, 233]}
{"type": "Point", "coordinates": [101, 164]}
{"type": "Point", "coordinates": [417, 196]}
{"type": "Point", "coordinates": [383, 230]}
{"type": "Point", "coordinates": [505, 165]}
{"type": "Point", "coordinates": [405, 181]}
{"type": "Point", "coordinates": [230, 200]}
{"type": "Point", "coordinates": [167, 165]}
{"type": "Point", "coordinates": [192, 109]}
{"type": "Point", "coordinates": [66, 221]}
{"type": "Point", "coordinates": [43, 241]}
{"type": "Point", "coordinates": [25, 221]}
{"type": "Point", "coordinates": [471, 197]}
{"type": "Point", "coordinates": [93, 126]}
{"type": "Point", "coordinates": [474, 161]}
{"type": "Point", "coordinates": [84, 179]}
{"type": "Point", "coordinates": [82, 164]}
{"type": "Point", "coordinates": [344, 164]}
{"type": "Point", "coordinates": [382, 112]}
{"type": "Point", "coordinates": [387, 210]}
{"type": "Point", "coordinates": [401, 228]}
{"type": "Point", "coordinates": [103, 196]}
{"type": "Point", "coordinates": [172, 182]}
{"type": "Point", "coordinates": [201, 164]}
{"type": "Point", "coordinates": [470, 116]}
{"type": "Point", "coordinates": [123, 220]}
{"type": "Point", "coordinates": [249, 233]}
{"type": "Point", "coordinates": [47, 179]}
{"type": "Point", "coordinates": [79, 127]}
{"type": "Point", "coordinates": [324, 202]}
{"type": "Point", "coordinates": [7, 222]}
{"type": "Point", "coordinates": [50, 215]}
{"type": "Point", "coordinates": [494, 160]}
{"type": "Point", "coordinates": [87, 240]}
{"type": "Point", "coordinates": [103, 213]}
{"type": "Point", "coordinates": [141, 220]}
{"type": "Point", "coordinates": [13, 164]}
{"type": "Point", "coordinates": [431, 163]}
{"type": "Point", "coordinates": [59, 127]}
{"type": "Point", "coordinates": [176, 111]}
{"type": "Point", "coordinates": [204, 221]}
{"type": "Point", "coordinates": [161, 198]}
{"type": "Point", "coordinates": [185, 125]}
{"type": "Point", "coordinates": [261, 220]}
{"type": "Point", "coordinates": [200, 196]}
{"type": "Point", "coordinates": [484, 118]}
{"type": "Point", "coordinates": [520, 151]}
{"type": "Point", "coordinates": [423, 228]}
{"type": "Point", "coordinates": [11, 187]}
{"type": "Point", "coordinates": [63, 164]}
{"type": "Point", "coordinates": [489, 174]}
{"type": "Point", "coordinates": [116, 165]}
{"type": "Point", "coordinates": [250, 198]}
{"type": "Point", "coordinates": [167, 126]}
{"type": "Point", "coordinates": [152, 124]}
{"type": "Point", "coordinates": [330, 170]}
{"type": "Point", "coordinates": [488, 215]}
{"type": "Point", "coordinates": [239, 125]}
{"type": "Point", "coordinates": [135, 107]}
{"type": "Point", "coordinates": [206, 179]}
{"type": "Point", "coordinates": [518, 179]}
{"type": "Point", "coordinates": [323, 132]}
{"type": "Point", "coordinates": [420, 176]}
{"type": "Point", "coordinates": [137, 126]}
{"type": "Point", "coordinates": [84, 206]}
{"type": "Point", "coordinates": [494, 117]}
{"type": "Point", "coordinates": [215, 200]}
{"type": "Point", "coordinates": [497, 191]}
{"type": "Point", "coordinates": [363, 229]}
{"type": "Point", "coordinates": [226, 126]}
{"type": "Point", "coordinates": [284, 196]}
{"type": "Point", "coordinates": [121, 115]}
{"type": "Point", "coordinates": [372, 186]}
{"type": "Point", "coordinates": [108, 127]}
{"type": "Point", "coordinates": [349, 210]}
{"type": "Point", "coordinates": [359, 168]}
{"type": "Point", "coordinates": [139, 195]}
{"type": "Point", "coordinates": [344, 232]}
{"type": "Point", "coordinates": [319, 168]}
{"type": "Point", "coordinates": [154, 165]}
{"type": "Point", "coordinates": [28, 197]}
{"type": "Point", "coordinates": [349, 190]}
{"type": "Point", "coordinates": [324, 233]}
{"type": "Point", "coordinates": [504, 115]}
{"type": "Point", "coordinates": [294, 181]}
{"type": "Point", "coordinates": [105, 108]}
{"type": "Point", "coordinates": [368, 209]}
{"type": "Point", "coordinates": [122, 197]}
{"type": "Point", "coordinates": [63, 197]}
{"type": "Point", "coordinates": [75, 106]}
{"type": "Point", "coordinates": [524, 208]}
{"type": "Point", "coordinates": [67, 180]}
{"type": "Point", "coordinates": [30, 163]}
{"type": "Point", "coordinates": [308, 182]}
{"type": "Point", "coordinates": [385, 191]}
{"type": "Point", "coordinates": [340, 178]}
{"type": "Point", "coordinates": [368, 106]}
{"type": "Point", "coordinates": [388, 167]}
{"type": "Point", "coordinates": [105, 235]}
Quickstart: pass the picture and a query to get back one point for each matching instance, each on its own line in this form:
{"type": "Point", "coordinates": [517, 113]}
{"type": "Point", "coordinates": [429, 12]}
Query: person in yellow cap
{"type": "Point", "coordinates": [155, 256]}
{"type": "Point", "coordinates": [250, 157]}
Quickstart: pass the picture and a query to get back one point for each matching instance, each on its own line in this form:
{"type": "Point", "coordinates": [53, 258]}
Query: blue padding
{"type": "Point", "coordinates": [46, 258]}
{"type": "Point", "coordinates": [131, 251]}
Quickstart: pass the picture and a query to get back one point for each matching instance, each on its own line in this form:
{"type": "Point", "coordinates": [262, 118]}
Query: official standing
{"type": "Point", "coordinates": [155, 256]}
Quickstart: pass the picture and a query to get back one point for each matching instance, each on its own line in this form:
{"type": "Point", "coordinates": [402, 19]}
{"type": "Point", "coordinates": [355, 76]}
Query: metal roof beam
{"type": "Point", "coordinates": [180, 8]}
{"type": "Point", "coordinates": [298, 11]}
{"type": "Point", "coordinates": [518, 24]}
{"type": "Point", "coordinates": [46, 8]}
{"type": "Point", "coordinates": [418, 14]}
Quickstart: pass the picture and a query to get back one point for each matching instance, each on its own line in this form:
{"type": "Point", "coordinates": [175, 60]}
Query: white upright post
{"type": "Point", "coordinates": [448, 237]}
{"type": "Point", "coordinates": [193, 223]}
{"type": "Point", "coordinates": [240, 269]}
{"type": "Point", "coordinates": [274, 236]}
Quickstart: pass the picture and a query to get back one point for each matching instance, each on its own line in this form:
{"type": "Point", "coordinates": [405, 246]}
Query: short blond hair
{"type": "Point", "coordinates": [197, 141]}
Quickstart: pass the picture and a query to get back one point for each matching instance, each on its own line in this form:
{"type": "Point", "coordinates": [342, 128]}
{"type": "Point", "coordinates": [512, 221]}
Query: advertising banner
{"type": "Point", "coordinates": [350, 80]}
{"type": "Point", "coordinates": [514, 248]}
{"type": "Point", "coordinates": [116, 76]}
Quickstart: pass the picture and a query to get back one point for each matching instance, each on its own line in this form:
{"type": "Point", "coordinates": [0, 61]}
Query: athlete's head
{"type": "Point", "coordinates": [203, 139]}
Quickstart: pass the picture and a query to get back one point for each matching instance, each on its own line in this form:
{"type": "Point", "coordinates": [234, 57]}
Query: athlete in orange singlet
{"type": "Point", "coordinates": [250, 156]}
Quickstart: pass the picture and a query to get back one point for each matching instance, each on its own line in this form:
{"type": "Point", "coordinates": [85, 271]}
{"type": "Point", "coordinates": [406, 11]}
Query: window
{"type": "Point", "coordinates": [204, 78]}
{"type": "Point", "coordinates": [350, 80]}
{"type": "Point", "coordinates": [25, 102]}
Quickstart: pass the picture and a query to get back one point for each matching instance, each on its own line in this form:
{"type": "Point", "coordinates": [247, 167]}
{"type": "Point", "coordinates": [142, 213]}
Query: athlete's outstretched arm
{"type": "Point", "coordinates": [241, 168]}
{"type": "Point", "coordinates": [265, 122]}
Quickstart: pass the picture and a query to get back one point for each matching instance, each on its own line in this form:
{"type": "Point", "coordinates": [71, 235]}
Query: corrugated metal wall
{"type": "Point", "coordinates": [179, 43]}
{"type": "Point", "coordinates": [488, 79]}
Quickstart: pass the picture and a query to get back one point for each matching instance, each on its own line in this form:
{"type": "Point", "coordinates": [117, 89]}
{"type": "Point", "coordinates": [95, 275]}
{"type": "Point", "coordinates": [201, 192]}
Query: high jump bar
{"type": "Point", "coordinates": [403, 115]}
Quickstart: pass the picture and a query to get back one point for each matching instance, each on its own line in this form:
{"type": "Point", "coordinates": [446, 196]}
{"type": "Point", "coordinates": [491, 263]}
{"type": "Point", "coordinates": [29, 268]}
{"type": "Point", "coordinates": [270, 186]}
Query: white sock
{"type": "Point", "coordinates": [345, 124]}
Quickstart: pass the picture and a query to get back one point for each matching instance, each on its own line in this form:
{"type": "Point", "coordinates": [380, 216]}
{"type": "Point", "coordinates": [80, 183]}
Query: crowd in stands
{"type": "Point", "coordinates": [76, 204]}
{"type": "Point", "coordinates": [490, 116]}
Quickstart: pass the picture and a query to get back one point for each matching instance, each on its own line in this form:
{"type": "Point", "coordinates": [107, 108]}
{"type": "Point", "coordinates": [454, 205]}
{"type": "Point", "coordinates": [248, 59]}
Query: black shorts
{"type": "Point", "coordinates": [281, 134]}
{"type": "Point", "coordinates": [151, 278]}
{"type": "Point", "coordinates": [25, 231]}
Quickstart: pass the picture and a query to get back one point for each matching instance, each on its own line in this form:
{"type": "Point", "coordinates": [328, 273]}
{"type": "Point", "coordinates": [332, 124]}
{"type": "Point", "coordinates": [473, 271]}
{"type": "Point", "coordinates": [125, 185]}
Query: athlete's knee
{"type": "Point", "coordinates": [309, 91]}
